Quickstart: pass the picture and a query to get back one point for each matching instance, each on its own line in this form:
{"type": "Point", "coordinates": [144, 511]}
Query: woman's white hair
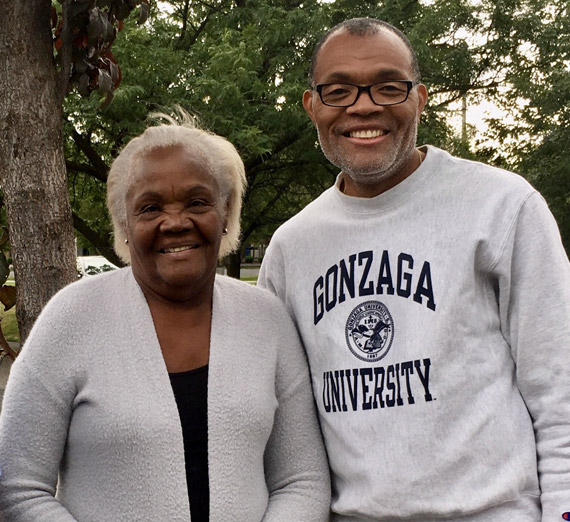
{"type": "Point", "coordinates": [218, 155]}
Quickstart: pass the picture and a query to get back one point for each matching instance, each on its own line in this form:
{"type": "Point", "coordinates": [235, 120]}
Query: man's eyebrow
{"type": "Point", "coordinates": [381, 75]}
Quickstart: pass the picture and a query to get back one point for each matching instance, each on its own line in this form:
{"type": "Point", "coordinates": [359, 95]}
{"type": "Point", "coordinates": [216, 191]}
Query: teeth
{"type": "Point", "coordinates": [179, 249]}
{"type": "Point", "coordinates": [366, 133]}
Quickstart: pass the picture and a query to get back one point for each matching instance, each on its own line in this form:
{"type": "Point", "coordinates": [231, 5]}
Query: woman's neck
{"type": "Point", "coordinates": [183, 332]}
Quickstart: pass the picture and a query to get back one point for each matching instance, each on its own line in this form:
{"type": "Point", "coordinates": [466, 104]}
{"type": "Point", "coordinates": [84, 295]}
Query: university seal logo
{"type": "Point", "coordinates": [369, 331]}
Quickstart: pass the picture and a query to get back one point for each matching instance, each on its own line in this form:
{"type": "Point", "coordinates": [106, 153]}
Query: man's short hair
{"type": "Point", "coordinates": [364, 27]}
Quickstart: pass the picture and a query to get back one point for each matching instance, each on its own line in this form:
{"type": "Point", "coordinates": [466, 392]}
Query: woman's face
{"type": "Point", "coordinates": [175, 221]}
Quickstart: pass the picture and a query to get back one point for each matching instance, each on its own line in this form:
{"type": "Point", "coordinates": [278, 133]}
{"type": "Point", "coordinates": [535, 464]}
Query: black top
{"type": "Point", "coordinates": [191, 394]}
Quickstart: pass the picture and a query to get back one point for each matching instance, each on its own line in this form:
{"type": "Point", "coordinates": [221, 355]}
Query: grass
{"type": "Point", "coordinates": [10, 324]}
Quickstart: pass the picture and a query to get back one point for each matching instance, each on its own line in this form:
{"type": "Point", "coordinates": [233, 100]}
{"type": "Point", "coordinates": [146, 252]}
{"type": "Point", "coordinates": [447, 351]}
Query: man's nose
{"type": "Point", "coordinates": [364, 105]}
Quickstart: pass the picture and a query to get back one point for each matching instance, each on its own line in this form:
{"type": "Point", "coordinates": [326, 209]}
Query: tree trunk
{"type": "Point", "coordinates": [32, 166]}
{"type": "Point", "coordinates": [232, 263]}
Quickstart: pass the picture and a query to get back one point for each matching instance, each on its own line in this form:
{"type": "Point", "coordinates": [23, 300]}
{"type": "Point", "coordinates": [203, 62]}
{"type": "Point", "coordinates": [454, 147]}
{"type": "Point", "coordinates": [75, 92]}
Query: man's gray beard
{"type": "Point", "coordinates": [376, 171]}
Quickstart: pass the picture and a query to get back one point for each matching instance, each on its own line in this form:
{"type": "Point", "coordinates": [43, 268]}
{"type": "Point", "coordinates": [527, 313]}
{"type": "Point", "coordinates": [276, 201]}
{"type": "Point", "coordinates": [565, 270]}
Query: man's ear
{"type": "Point", "coordinates": [422, 97]}
{"type": "Point", "coordinates": [308, 97]}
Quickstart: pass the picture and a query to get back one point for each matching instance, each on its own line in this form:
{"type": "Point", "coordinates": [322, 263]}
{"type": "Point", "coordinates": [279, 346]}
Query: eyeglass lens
{"type": "Point", "coordinates": [384, 93]}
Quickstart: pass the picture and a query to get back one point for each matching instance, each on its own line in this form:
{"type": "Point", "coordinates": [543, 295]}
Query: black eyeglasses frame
{"type": "Point", "coordinates": [366, 88]}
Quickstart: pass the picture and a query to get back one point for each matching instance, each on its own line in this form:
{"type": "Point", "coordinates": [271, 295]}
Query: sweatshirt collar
{"type": "Point", "coordinates": [394, 196]}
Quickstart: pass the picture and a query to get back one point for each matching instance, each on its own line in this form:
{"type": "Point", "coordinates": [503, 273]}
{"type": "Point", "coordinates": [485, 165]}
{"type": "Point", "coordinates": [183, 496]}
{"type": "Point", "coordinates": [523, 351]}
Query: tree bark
{"type": "Point", "coordinates": [32, 165]}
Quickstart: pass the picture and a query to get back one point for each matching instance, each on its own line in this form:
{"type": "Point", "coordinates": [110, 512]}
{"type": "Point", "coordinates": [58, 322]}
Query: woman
{"type": "Point", "coordinates": [161, 391]}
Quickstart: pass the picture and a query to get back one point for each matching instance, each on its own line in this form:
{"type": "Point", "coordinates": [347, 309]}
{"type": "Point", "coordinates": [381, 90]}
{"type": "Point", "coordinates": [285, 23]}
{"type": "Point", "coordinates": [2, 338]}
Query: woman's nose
{"type": "Point", "coordinates": [176, 221]}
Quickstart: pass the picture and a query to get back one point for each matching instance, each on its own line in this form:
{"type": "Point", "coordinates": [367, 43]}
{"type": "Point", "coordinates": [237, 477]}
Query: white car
{"type": "Point", "coordinates": [93, 265]}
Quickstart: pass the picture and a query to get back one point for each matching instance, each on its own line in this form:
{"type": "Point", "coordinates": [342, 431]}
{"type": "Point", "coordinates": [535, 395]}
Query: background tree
{"type": "Point", "coordinates": [31, 155]}
{"type": "Point", "coordinates": [242, 68]}
{"type": "Point", "coordinates": [241, 65]}
{"type": "Point", "coordinates": [535, 140]}
{"type": "Point", "coordinates": [33, 174]}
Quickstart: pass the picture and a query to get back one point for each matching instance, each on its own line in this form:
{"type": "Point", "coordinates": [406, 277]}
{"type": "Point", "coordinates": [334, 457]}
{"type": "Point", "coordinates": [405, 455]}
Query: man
{"type": "Point", "coordinates": [433, 297]}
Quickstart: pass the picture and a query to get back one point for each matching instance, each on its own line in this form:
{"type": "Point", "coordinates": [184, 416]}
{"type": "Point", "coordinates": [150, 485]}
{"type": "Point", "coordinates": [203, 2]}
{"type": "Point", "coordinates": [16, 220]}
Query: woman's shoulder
{"type": "Point", "coordinates": [69, 320]}
{"type": "Point", "coordinates": [89, 293]}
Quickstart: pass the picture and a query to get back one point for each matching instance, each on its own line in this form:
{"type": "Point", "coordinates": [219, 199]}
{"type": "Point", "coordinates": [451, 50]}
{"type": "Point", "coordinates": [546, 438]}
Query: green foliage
{"type": "Point", "coordinates": [538, 96]}
{"type": "Point", "coordinates": [241, 67]}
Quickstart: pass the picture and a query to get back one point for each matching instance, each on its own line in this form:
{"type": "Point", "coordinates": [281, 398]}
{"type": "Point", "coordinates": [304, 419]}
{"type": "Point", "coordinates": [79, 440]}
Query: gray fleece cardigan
{"type": "Point", "coordinates": [90, 432]}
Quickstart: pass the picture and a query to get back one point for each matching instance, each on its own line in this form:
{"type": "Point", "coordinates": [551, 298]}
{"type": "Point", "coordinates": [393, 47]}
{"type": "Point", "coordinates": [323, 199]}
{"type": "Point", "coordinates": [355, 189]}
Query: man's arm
{"type": "Point", "coordinates": [272, 271]}
{"type": "Point", "coordinates": [296, 466]}
{"type": "Point", "coordinates": [534, 299]}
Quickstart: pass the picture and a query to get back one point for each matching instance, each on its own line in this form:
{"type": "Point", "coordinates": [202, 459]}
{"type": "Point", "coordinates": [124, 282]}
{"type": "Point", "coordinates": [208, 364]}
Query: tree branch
{"type": "Point", "coordinates": [87, 169]}
{"type": "Point", "coordinates": [84, 145]}
{"type": "Point", "coordinates": [268, 206]}
{"type": "Point", "coordinates": [102, 244]}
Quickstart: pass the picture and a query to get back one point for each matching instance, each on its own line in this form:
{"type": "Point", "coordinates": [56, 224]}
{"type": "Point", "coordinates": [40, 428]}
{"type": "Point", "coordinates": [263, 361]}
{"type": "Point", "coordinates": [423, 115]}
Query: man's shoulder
{"type": "Point", "coordinates": [310, 216]}
{"type": "Point", "coordinates": [475, 175]}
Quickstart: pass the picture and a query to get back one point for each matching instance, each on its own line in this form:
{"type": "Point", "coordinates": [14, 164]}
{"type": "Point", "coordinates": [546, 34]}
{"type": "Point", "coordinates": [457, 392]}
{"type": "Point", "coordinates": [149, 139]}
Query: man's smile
{"type": "Point", "coordinates": [366, 133]}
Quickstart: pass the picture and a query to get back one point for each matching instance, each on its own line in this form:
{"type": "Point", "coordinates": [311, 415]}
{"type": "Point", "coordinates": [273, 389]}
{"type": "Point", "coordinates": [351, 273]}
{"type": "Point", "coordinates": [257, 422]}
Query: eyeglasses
{"type": "Point", "coordinates": [382, 93]}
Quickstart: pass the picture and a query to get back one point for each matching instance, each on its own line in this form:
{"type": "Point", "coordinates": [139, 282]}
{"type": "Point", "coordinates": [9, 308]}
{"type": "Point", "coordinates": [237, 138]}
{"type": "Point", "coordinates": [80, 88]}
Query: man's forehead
{"type": "Point", "coordinates": [382, 52]}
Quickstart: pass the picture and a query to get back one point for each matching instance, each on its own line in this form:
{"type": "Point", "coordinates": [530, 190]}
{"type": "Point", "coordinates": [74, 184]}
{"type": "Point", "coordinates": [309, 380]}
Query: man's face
{"type": "Point", "coordinates": [375, 146]}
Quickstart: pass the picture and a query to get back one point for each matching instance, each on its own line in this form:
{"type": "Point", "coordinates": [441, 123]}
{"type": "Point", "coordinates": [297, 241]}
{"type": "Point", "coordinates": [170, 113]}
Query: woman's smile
{"type": "Point", "coordinates": [175, 220]}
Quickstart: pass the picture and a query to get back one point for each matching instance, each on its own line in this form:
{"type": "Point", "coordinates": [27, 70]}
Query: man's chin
{"type": "Point", "coordinates": [368, 177]}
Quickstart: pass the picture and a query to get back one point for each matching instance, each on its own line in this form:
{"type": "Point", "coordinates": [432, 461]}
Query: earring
{"type": "Point", "coordinates": [126, 241]}
{"type": "Point", "coordinates": [224, 232]}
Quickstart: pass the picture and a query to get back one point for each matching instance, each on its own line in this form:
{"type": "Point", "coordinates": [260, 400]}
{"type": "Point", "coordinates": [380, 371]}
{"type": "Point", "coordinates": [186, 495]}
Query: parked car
{"type": "Point", "coordinates": [93, 265]}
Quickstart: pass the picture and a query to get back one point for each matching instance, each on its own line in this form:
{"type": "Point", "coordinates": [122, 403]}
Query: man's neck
{"type": "Point", "coordinates": [350, 188]}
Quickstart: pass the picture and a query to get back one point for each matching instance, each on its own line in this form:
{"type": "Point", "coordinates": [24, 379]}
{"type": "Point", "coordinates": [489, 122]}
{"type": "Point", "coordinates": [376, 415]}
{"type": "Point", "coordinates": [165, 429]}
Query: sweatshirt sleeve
{"type": "Point", "coordinates": [272, 271]}
{"type": "Point", "coordinates": [534, 299]}
{"type": "Point", "coordinates": [296, 467]}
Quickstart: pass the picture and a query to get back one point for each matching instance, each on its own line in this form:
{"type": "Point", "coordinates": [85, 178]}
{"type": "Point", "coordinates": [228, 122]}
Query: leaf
{"type": "Point", "coordinates": [83, 85]}
{"type": "Point", "coordinates": [81, 41]}
{"type": "Point", "coordinates": [104, 82]}
{"type": "Point", "coordinates": [115, 74]}
{"type": "Point", "coordinates": [108, 100]}
{"type": "Point", "coordinates": [4, 268]}
{"type": "Point", "coordinates": [77, 7]}
{"type": "Point", "coordinates": [97, 23]}
{"type": "Point", "coordinates": [53, 15]}
{"type": "Point", "coordinates": [4, 236]}
{"type": "Point", "coordinates": [8, 296]}
{"type": "Point", "coordinates": [144, 12]}
{"type": "Point", "coordinates": [122, 10]}
{"type": "Point", "coordinates": [81, 66]}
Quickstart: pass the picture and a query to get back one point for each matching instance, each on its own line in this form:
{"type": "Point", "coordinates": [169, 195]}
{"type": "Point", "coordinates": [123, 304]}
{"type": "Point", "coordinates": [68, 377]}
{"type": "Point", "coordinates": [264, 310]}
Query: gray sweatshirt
{"type": "Point", "coordinates": [436, 318]}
